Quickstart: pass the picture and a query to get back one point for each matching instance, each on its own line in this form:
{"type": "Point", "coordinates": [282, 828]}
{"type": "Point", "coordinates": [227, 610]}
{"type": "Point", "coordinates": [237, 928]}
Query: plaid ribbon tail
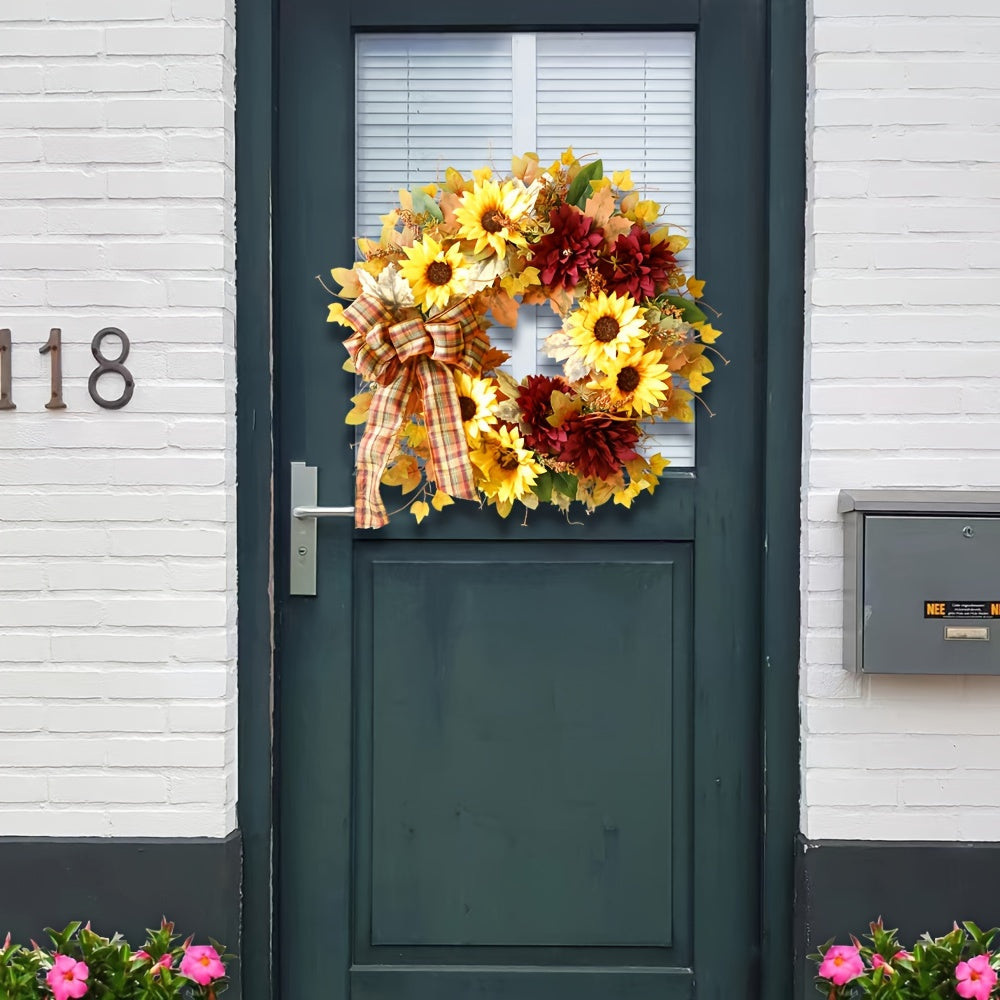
{"type": "Point", "coordinates": [445, 433]}
{"type": "Point", "coordinates": [376, 448]}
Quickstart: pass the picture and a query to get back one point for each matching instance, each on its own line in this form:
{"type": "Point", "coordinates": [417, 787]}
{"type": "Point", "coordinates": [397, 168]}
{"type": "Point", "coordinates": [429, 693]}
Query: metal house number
{"type": "Point", "coordinates": [53, 348]}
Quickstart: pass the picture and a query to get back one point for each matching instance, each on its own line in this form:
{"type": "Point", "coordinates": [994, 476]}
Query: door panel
{"type": "Point", "coordinates": [498, 803]}
{"type": "Point", "coordinates": [521, 761]}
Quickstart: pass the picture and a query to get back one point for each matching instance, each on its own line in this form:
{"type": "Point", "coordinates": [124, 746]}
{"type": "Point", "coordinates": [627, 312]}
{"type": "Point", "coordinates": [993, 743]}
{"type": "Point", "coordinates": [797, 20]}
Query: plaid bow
{"type": "Point", "coordinates": [414, 355]}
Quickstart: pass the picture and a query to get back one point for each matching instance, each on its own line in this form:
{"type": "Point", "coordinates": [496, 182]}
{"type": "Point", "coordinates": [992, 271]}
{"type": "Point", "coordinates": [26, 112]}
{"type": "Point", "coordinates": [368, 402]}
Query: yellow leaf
{"type": "Point", "coordinates": [430, 189]}
{"type": "Point", "coordinates": [646, 211]}
{"type": "Point", "coordinates": [706, 332]}
{"type": "Point", "coordinates": [359, 414]}
{"type": "Point", "coordinates": [348, 280]}
{"type": "Point", "coordinates": [629, 202]}
{"type": "Point", "coordinates": [675, 244]}
{"type": "Point", "coordinates": [419, 510]}
{"type": "Point", "coordinates": [404, 472]}
{"type": "Point", "coordinates": [348, 366]}
{"type": "Point", "coordinates": [483, 174]}
{"type": "Point", "coordinates": [697, 381]}
{"type": "Point", "coordinates": [563, 407]}
{"type": "Point", "coordinates": [623, 180]}
{"type": "Point", "coordinates": [453, 180]}
{"type": "Point", "coordinates": [336, 314]}
{"type": "Point", "coordinates": [657, 463]}
{"type": "Point", "coordinates": [695, 287]}
{"type": "Point", "coordinates": [680, 407]}
{"type": "Point", "coordinates": [530, 500]}
{"type": "Point", "coordinates": [601, 184]}
{"type": "Point", "coordinates": [441, 500]}
{"type": "Point", "coordinates": [515, 284]}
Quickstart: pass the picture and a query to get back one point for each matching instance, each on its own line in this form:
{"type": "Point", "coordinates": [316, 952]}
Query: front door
{"type": "Point", "coordinates": [520, 761]}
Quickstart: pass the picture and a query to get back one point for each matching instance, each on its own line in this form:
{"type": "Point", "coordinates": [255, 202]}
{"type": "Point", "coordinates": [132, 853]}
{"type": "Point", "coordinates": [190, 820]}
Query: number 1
{"type": "Point", "coordinates": [6, 403]}
{"type": "Point", "coordinates": [53, 347]}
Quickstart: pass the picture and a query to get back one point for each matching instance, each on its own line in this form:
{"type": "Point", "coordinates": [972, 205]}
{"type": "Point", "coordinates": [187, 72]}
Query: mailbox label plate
{"type": "Point", "coordinates": [962, 609]}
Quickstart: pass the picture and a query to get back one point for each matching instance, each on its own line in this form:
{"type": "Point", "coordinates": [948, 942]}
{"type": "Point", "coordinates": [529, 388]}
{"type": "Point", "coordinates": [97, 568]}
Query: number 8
{"type": "Point", "coordinates": [105, 365]}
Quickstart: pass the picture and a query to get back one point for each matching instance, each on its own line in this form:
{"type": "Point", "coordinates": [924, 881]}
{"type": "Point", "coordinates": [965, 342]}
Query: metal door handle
{"type": "Point", "coordinates": [302, 528]}
{"type": "Point", "coordinates": [322, 512]}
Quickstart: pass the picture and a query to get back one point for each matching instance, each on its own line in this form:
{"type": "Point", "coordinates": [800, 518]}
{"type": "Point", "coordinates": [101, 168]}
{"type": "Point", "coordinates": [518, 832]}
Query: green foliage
{"type": "Point", "coordinates": [116, 971]}
{"type": "Point", "coordinates": [580, 190]}
{"type": "Point", "coordinates": [926, 971]}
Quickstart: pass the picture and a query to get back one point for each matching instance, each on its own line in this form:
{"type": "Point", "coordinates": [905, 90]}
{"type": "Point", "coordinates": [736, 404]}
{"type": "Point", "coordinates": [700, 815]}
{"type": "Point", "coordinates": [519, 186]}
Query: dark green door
{"type": "Point", "coordinates": [520, 762]}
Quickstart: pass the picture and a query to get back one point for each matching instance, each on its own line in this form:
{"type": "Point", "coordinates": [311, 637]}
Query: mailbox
{"type": "Point", "coordinates": [921, 581]}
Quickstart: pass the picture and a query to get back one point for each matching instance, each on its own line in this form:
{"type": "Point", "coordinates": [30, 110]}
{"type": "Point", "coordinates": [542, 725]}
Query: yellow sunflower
{"type": "Point", "coordinates": [604, 328]}
{"type": "Point", "coordinates": [492, 214]}
{"type": "Point", "coordinates": [638, 383]}
{"type": "Point", "coordinates": [435, 274]}
{"type": "Point", "coordinates": [478, 399]}
{"type": "Point", "coordinates": [505, 470]}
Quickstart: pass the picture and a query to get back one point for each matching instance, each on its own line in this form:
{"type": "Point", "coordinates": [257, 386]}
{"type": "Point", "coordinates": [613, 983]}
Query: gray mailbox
{"type": "Point", "coordinates": [921, 581]}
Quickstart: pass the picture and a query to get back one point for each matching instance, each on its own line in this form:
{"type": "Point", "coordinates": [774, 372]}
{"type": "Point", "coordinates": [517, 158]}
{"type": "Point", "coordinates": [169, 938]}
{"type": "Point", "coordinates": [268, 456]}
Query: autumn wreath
{"type": "Point", "coordinates": [443, 420]}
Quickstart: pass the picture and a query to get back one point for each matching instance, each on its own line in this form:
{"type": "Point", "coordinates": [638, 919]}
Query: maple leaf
{"type": "Point", "coordinates": [696, 287]}
{"type": "Point", "coordinates": [348, 366]}
{"type": "Point", "coordinates": [563, 407]}
{"type": "Point", "coordinates": [707, 333]}
{"type": "Point", "coordinates": [623, 180]}
{"type": "Point", "coordinates": [419, 510]}
{"type": "Point", "coordinates": [347, 278]}
{"type": "Point", "coordinates": [390, 287]}
{"type": "Point", "coordinates": [404, 472]}
{"type": "Point", "coordinates": [600, 206]}
{"type": "Point", "coordinates": [679, 407]}
{"type": "Point", "coordinates": [441, 500]}
{"type": "Point", "coordinates": [336, 314]}
{"type": "Point", "coordinates": [502, 307]}
{"type": "Point", "coordinates": [697, 381]}
{"type": "Point", "coordinates": [515, 284]}
{"type": "Point", "coordinates": [494, 358]}
{"type": "Point", "coordinates": [657, 463]}
{"type": "Point", "coordinates": [359, 413]}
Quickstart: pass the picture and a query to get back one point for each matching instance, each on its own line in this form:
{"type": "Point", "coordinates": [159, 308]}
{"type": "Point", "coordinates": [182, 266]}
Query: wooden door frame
{"type": "Point", "coordinates": [258, 534]}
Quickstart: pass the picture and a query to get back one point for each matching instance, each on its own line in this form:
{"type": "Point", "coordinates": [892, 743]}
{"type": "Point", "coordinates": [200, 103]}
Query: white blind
{"type": "Point", "coordinates": [429, 101]}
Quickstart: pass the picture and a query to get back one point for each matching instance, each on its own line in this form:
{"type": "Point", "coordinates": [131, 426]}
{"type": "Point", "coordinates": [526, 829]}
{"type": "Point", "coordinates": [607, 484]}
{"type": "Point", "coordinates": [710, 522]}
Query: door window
{"type": "Point", "coordinates": [429, 101]}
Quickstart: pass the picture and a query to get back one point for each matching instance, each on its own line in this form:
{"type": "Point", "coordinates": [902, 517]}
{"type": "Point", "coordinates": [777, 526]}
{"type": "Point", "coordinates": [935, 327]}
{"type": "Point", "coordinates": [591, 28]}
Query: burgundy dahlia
{"type": "Point", "coordinates": [597, 444]}
{"type": "Point", "coordinates": [563, 256]}
{"type": "Point", "coordinates": [535, 402]}
{"type": "Point", "coordinates": [636, 266]}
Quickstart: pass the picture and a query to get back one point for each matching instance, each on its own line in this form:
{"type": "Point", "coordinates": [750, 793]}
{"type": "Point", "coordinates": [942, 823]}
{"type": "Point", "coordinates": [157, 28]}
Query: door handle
{"type": "Point", "coordinates": [322, 512]}
{"type": "Point", "coordinates": [303, 514]}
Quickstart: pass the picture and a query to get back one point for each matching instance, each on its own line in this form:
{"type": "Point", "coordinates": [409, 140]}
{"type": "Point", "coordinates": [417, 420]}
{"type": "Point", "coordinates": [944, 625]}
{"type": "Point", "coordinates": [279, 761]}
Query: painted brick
{"type": "Point", "coordinates": [117, 541]}
{"type": "Point", "coordinates": [903, 387]}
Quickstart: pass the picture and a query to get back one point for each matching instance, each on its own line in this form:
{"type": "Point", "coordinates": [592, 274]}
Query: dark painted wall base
{"type": "Point", "coordinates": [122, 885]}
{"type": "Point", "coordinates": [841, 886]}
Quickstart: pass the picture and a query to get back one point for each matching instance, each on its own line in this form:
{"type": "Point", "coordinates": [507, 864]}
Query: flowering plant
{"type": "Point", "coordinates": [442, 419]}
{"type": "Point", "coordinates": [81, 963]}
{"type": "Point", "coordinates": [959, 963]}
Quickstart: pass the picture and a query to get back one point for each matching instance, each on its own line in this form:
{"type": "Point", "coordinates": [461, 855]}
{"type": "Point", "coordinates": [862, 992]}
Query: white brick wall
{"type": "Point", "coordinates": [902, 386]}
{"type": "Point", "coordinates": [117, 528]}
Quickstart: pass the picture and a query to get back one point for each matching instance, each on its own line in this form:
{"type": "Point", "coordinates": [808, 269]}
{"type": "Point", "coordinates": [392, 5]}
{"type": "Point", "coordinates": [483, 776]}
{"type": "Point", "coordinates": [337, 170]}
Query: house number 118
{"type": "Point", "coordinates": [53, 348]}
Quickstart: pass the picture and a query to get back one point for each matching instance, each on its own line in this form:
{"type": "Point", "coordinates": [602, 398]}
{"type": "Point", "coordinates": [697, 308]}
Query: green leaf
{"type": "Point", "coordinates": [424, 204]}
{"type": "Point", "coordinates": [543, 487]}
{"type": "Point", "coordinates": [565, 483]}
{"type": "Point", "coordinates": [579, 191]}
{"type": "Point", "coordinates": [690, 312]}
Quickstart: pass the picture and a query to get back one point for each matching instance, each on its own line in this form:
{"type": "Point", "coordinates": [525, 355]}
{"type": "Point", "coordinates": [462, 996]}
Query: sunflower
{"type": "Point", "coordinates": [435, 274]}
{"type": "Point", "coordinates": [478, 399]}
{"type": "Point", "coordinates": [638, 383]}
{"type": "Point", "coordinates": [492, 213]}
{"type": "Point", "coordinates": [506, 470]}
{"type": "Point", "coordinates": [605, 328]}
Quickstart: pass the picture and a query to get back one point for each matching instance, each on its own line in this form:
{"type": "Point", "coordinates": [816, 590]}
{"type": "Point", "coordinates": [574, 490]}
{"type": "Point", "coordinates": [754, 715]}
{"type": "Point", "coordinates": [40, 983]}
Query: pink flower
{"type": "Point", "coordinates": [975, 978]}
{"type": "Point", "coordinates": [902, 953]}
{"type": "Point", "coordinates": [67, 978]}
{"type": "Point", "coordinates": [878, 962]}
{"type": "Point", "coordinates": [201, 963]}
{"type": "Point", "coordinates": [841, 964]}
